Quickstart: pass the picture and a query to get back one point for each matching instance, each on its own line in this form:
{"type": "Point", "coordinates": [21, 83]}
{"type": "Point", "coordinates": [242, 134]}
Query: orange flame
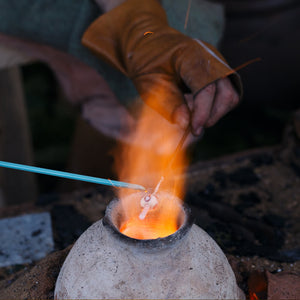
{"type": "Point", "coordinates": [144, 162]}
{"type": "Point", "coordinates": [257, 284]}
{"type": "Point", "coordinates": [253, 296]}
{"type": "Point", "coordinates": [159, 222]}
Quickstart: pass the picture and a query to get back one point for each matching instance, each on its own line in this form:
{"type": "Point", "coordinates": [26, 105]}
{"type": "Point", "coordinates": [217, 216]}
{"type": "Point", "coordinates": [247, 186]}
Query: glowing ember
{"type": "Point", "coordinates": [138, 229]}
{"type": "Point", "coordinates": [154, 214]}
{"type": "Point", "coordinates": [253, 296]}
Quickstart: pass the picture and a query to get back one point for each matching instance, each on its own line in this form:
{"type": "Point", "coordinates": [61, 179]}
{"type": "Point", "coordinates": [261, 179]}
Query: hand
{"type": "Point", "coordinates": [164, 64]}
{"type": "Point", "coordinates": [207, 107]}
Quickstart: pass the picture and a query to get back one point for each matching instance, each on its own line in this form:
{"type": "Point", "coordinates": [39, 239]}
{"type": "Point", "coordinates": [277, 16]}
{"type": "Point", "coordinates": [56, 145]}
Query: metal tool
{"type": "Point", "coordinates": [73, 176]}
{"type": "Point", "coordinates": [179, 146]}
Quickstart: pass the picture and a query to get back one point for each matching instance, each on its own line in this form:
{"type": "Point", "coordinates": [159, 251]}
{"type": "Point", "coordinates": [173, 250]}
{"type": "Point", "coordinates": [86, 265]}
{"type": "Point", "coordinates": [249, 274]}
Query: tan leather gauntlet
{"type": "Point", "coordinates": [162, 62]}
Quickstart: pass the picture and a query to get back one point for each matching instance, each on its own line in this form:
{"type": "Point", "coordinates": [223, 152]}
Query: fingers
{"type": "Point", "coordinates": [225, 100]}
{"type": "Point", "coordinates": [202, 107]}
{"type": "Point", "coordinates": [181, 116]}
{"type": "Point", "coordinates": [196, 112]}
{"type": "Point", "coordinates": [208, 107]}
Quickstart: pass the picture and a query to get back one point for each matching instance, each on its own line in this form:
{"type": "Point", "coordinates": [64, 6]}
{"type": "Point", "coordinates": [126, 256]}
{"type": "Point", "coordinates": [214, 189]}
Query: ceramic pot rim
{"type": "Point", "coordinates": [159, 243]}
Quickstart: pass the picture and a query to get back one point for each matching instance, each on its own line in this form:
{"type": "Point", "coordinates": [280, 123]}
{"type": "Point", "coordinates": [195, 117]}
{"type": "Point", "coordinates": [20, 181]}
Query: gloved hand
{"type": "Point", "coordinates": [164, 64]}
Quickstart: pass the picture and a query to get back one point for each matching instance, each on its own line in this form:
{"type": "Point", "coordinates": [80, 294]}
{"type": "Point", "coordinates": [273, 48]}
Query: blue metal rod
{"type": "Point", "coordinates": [68, 175]}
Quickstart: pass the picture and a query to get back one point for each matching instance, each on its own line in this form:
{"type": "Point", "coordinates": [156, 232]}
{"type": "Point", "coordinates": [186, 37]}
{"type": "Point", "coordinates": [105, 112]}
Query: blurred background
{"type": "Point", "coordinates": [268, 30]}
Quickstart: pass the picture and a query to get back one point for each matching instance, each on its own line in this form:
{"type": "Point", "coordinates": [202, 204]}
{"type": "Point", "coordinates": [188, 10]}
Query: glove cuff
{"type": "Point", "coordinates": [223, 69]}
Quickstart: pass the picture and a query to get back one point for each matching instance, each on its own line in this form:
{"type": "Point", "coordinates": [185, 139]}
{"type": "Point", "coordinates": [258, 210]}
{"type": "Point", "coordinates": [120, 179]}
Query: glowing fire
{"type": "Point", "coordinates": [159, 222]}
{"type": "Point", "coordinates": [145, 165]}
{"type": "Point", "coordinates": [253, 296]}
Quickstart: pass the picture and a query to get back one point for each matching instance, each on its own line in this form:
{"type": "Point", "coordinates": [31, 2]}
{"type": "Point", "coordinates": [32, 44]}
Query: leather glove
{"type": "Point", "coordinates": [163, 63]}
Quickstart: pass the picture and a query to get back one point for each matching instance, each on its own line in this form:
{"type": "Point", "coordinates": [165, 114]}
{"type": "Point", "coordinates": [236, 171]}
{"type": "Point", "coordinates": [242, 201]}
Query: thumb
{"type": "Point", "coordinates": [181, 116]}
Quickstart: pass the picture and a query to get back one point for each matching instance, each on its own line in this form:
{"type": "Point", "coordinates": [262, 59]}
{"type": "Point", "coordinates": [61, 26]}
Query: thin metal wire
{"type": "Point", "coordinates": [187, 14]}
{"type": "Point", "coordinates": [179, 147]}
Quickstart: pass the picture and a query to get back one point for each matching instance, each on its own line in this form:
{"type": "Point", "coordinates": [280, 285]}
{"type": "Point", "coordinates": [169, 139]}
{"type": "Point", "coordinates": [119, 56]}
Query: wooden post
{"type": "Point", "coordinates": [15, 140]}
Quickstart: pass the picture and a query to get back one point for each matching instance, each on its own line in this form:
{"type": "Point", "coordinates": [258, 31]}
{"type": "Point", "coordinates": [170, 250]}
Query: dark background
{"type": "Point", "coordinates": [268, 30]}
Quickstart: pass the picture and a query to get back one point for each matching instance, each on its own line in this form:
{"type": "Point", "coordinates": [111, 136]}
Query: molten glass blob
{"type": "Point", "coordinates": [162, 220]}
